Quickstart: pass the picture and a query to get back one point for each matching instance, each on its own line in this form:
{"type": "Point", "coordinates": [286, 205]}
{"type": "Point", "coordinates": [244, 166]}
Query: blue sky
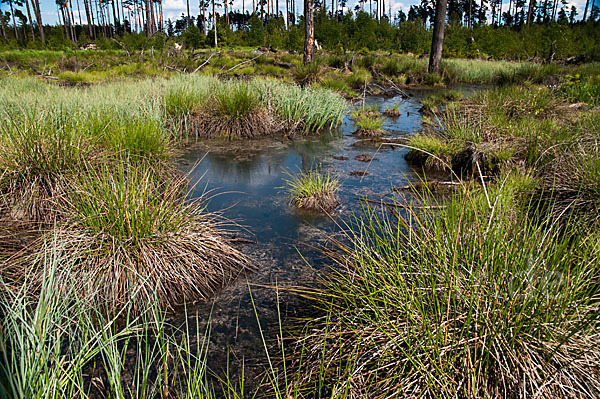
{"type": "Point", "coordinates": [173, 8]}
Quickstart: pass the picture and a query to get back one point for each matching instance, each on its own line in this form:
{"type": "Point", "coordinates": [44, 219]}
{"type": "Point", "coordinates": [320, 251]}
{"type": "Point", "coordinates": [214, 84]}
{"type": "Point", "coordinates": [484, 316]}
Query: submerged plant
{"type": "Point", "coordinates": [313, 190]}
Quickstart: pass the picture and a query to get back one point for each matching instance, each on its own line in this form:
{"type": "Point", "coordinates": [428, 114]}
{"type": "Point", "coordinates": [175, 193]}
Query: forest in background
{"type": "Point", "coordinates": [534, 30]}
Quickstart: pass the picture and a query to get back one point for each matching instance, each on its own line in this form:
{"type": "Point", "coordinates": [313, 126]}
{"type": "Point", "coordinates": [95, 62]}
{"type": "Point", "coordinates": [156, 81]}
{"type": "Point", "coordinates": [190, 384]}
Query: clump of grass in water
{"type": "Point", "coordinates": [464, 300]}
{"type": "Point", "coordinates": [133, 235]}
{"type": "Point", "coordinates": [313, 190]}
{"type": "Point", "coordinates": [432, 103]}
{"type": "Point", "coordinates": [368, 121]}
{"type": "Point", "coordinates": [393, 111]}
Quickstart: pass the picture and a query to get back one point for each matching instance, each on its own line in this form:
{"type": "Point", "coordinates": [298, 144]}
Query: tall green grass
{"type": "Point", "coordinates": [61, 344]}
{"type": "Point", "coordinates": [471, 298]}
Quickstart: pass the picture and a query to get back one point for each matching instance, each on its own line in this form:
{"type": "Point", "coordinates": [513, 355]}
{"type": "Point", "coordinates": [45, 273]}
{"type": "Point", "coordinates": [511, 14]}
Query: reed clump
{"type": "Point", "coordinates": [314, 191]}
{"type": "Point", "coordinates": [233, 112]}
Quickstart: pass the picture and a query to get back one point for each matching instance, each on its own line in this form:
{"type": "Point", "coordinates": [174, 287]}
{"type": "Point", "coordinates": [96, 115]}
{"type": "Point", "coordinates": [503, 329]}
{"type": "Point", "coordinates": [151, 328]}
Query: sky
{"type": "Point", "coordinates": [173, 8]}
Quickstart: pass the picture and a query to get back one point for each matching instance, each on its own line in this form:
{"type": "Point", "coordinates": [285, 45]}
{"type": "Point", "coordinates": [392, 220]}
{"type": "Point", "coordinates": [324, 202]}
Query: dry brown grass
{"type": "Point", "coordinates": [318, 202]}
{"type": "Point", "coordinates": [209, 123]}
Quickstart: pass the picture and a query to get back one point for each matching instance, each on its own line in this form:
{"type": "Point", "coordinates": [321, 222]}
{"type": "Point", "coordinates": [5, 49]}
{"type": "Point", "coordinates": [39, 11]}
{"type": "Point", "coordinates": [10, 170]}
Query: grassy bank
{"type": "Point", "coordinates": [345, 73]}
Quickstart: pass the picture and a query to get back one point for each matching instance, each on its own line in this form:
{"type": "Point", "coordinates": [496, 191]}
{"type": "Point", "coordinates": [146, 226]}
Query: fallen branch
{"type": "Point", "coordinates": [205, 62]}
{"type": "Point", "coordinates": [12, 73]}
{"type": "Point", "coordinates": [244, 62]}
{"type": "Point", "coordinates": [124, 48]}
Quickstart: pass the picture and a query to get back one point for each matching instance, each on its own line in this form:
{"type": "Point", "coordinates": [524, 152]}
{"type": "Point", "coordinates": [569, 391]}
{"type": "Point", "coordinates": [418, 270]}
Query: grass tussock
{"type": "Point", "coordinates": [505, 126]}
{"type": "Point", "coordinates": [234, 112]}
{"type": "Point", "coordinates": [368, 121]}
{"type": "Point", "coordinates": [313, 190]}
{"type": "Point", "coordinates": [392, 112]}
{"type": "Point", "coordinates": [133, 236]}
{"type": "Point", "coordinates": [473, 299]}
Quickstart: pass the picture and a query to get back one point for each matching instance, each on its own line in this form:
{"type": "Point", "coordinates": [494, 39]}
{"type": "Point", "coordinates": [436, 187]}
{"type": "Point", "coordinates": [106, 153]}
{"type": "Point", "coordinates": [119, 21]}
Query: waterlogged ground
{"type": "Point", "coordinates": [246, 181]}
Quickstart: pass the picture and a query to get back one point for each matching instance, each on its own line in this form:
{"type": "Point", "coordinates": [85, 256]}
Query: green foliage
{"type": "Point", "coordinates": [237, 100]}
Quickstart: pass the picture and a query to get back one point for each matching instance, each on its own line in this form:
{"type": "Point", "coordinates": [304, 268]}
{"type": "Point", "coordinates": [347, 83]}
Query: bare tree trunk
{"type": "Point", "coordinates": [30, 20]}
{"type": "Point", "coordinates": [87, 16]}
{"type": "Point", "coordinates": [309, 31]}
{"type": "Point", "coordinates": [587, 4]}
{"type": "Point", "coordinates": [226, 12]}
{"type": "Point", "coordinates": [215, 23]}
{"type": "Point", "coordinates": [115, 17]}
{"type": "Point", "coordinates": [437, 43]}
{"type": "Point", "coordinates": [3, 26]}
{"type": "Point", "coordinates": [204, 17]}
{"type": "Point", "coordinates": [12, 11]}
{"type": "Point", "coordinates": [79, 12]}
{"type": "Point", "coordinates": [530, 11]}
{"type": "Point", "coordinates": [162, 18]}
{"type": "Point", "coordinates": [152, 17]}
{"type": "Point", "coordinates": [187, 23]}
{"type": "Point", "coordinates": [148, 21]}
{"type": "Point", "coordinates": [71, 20]}
{"type": "Point", "coordinates": [38, 17]}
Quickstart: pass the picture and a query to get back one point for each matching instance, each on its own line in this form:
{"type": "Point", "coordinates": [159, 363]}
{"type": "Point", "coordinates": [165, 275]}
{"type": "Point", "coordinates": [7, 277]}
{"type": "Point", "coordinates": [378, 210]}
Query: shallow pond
{"type": "Point", "coordinates": [246, 181]}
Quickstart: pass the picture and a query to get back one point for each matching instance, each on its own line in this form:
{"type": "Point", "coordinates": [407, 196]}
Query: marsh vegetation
{"type": "Point", "coordinates": [485, 288]}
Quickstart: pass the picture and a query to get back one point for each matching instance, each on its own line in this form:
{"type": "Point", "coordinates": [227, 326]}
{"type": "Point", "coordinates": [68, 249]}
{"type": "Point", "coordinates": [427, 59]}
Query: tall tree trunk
{"type": "Point", "coordinates": [187, 23]}
{"type": "Point", "coordinates": [226, 12]}
{"type": "Point", "coordinates": [437, 42]}
{"type": "Point", "coordinates": [71, 20]}
{"type": "Point", "coordinates": [61, 11]}
{"type": "Point", "coordinates": [79, 12]}
{"type": "Point", "coordinates": [587, 4]}
{"type": "Point", "coordinates": [530, 11]}
{"type": "Point", "coordinates": [309, 31]}
{"type": "Point", "coordinates": [12, 11]}
{"type": "Point", "coordinates": [204, 17]}
{"type": "Point", "coordinates": [30, 20]}
{"type": "Point", "coordinates": [38, 18]}
{"type": "Point", "coordinates": [87, 16]}
{"type": "Point", "coordinates": [162, 17]}
{"type": "Point", "coordinates": [152, 17]}
{"type": "Point", "coordinates": [3, 27]}
{"type": "Point", "coordinates": [115, 17]}
{"type": "Point", "coordinates": [287, 14]}
{"type": "Point", "coordinates": [215, 23]}
{"type": "Point", "coordinates": [148, 20]}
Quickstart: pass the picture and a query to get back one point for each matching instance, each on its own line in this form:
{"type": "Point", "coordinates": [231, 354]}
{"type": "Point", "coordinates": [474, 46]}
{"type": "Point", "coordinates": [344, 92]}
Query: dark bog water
{"type": "Point", "coordinates": [249, 178]}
